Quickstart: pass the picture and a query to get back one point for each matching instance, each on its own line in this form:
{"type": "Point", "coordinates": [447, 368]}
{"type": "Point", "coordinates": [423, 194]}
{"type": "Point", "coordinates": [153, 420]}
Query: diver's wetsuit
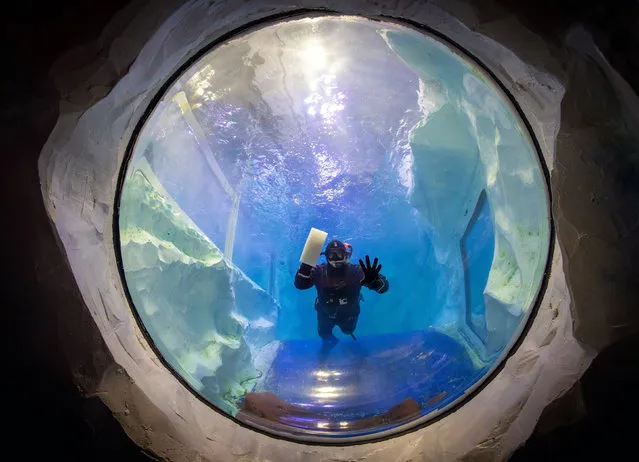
{"type": "Point", "coordinates": [338, 294]}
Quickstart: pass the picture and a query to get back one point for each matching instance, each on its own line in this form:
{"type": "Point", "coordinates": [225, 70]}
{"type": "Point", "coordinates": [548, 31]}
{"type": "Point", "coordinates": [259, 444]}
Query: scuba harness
{"type": "Point", "coordinates": [338, 294]}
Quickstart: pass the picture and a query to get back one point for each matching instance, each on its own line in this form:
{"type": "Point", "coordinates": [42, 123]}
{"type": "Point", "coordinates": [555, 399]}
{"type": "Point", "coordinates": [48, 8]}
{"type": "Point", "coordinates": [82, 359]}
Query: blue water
{"type": "Point", "coordinates": [361, 378]}
{"type": "Point", "coordinates": [478, 246]}
{"type": "Point", "coordinates": [351, 175]}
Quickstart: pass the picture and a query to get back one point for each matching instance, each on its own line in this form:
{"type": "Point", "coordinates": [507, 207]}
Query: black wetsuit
{"type": "Point", "coordinates": [338, 294]}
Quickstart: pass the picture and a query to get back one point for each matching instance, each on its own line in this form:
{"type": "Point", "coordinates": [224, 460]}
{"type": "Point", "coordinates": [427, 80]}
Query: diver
{"type": "Point", "coordinates": [338, 286]}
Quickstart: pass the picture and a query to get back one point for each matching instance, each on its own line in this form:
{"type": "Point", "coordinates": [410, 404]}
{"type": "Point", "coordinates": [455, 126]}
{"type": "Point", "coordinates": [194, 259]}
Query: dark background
{"type": "Point", "coordinates": [49, 417]}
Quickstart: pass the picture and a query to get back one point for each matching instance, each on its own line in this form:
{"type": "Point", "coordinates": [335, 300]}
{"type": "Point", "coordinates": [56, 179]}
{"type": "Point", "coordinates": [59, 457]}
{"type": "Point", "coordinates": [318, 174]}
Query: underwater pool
{"type": "Point", "coordinates": [380, 135]}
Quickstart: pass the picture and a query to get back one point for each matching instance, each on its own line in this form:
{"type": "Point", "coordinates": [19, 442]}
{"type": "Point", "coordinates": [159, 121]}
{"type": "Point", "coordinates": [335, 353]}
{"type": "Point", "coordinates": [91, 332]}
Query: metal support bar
{"type": "Point", "coordinates": [200, 137]}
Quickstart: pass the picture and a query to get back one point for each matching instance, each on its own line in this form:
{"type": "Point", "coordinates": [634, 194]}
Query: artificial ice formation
{"type": "Point", "coordinates": [211, 323]}
{"type": "Point", "coordinates": [471, 142]}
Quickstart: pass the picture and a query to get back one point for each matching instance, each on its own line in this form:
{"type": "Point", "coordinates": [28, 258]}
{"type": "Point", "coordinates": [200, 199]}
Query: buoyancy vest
{"type": "Point", "coordinates": [338, 296]}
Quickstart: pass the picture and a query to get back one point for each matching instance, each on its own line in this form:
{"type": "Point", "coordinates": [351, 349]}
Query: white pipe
{"type": "Point", "coordinates": [181, 99]}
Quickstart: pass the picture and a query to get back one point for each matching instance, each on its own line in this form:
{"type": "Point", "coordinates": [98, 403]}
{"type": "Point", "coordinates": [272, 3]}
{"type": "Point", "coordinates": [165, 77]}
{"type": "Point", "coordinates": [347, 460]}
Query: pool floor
{"type": "Point", "coordinates": [355, 380]}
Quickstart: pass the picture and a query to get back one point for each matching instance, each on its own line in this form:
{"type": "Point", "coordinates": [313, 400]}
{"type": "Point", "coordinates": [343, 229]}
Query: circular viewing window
{"type": "Point", "coordinates": [389, 140]}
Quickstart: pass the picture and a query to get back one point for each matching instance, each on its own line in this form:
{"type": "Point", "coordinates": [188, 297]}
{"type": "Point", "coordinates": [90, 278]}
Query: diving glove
{"type": "Point", "coordinates": [371, 272]}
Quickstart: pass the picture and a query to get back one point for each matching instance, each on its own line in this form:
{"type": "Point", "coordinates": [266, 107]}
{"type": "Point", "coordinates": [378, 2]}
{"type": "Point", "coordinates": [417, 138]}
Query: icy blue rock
{"type": "Point", "coordinates": [515, 189]}
{"type": "Point", "coordinates": [452, 167]}
{"type": "Point", "coordinates": [207, 318]}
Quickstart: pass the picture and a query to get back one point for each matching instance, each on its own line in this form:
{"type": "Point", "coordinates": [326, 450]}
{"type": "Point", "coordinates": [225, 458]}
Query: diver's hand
{"type": "Point", "coordinates": [305, 269]}
{"type": "Point", "coordinates": [371, 273]}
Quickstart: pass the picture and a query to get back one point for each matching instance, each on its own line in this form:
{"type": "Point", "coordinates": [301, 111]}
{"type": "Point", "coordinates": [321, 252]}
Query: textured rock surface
{"type": "Point", "coordinates": [599, 139]}
{"type": "Point", "coordinates": [549, 341]}
{"type": "Point", "coordinates": [163, 252]}
{"type": "Point", "coordinates": [495, 155]}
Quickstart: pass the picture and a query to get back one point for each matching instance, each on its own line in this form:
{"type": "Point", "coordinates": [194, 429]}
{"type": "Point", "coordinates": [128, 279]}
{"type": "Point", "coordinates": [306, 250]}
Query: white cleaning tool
{"type": "Point", "coordinates": [313, 248]}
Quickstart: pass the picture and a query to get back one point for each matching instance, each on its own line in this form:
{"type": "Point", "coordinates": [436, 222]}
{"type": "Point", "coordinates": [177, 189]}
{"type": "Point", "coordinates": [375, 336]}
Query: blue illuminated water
{"type": "Point", "coordinates": [366, 377]}
{"type": "Point", "coordinates": [357, 193]}
{"type": "Point", "coordinates": [361, 378]}
{"type": "Point", "coordinates": [394, 163]}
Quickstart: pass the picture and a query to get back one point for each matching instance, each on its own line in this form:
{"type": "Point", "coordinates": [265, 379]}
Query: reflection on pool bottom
{"type": "Point", "coordinates": [360, 386]}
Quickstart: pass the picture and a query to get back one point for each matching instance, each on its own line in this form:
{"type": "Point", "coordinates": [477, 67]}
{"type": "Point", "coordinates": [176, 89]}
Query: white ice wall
{"type": "Point", "coordinates": [468, 141]}
{"type": "Point", "coordinates": [205, 316]}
